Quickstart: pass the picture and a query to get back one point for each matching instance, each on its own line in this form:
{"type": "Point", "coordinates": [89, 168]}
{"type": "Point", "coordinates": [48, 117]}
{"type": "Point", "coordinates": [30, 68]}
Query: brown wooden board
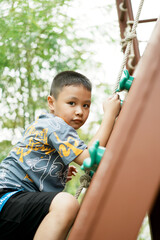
{"type": "Point", "coordinates": [127, 180]}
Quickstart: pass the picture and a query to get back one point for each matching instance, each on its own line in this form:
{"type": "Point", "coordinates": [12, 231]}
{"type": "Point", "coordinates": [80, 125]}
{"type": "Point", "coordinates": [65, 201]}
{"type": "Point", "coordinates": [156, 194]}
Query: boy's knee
{"type": "Point", "coordinates": [66, 204]}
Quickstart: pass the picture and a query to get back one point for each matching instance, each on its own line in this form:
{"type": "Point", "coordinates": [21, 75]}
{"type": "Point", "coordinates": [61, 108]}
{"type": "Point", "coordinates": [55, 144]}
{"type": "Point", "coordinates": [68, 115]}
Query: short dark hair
{"type": "Point", "coordinates": [68, 78]}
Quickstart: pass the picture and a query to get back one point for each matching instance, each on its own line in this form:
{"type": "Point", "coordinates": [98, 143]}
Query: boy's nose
{"type": "Point", "coordinates": [79, 110]}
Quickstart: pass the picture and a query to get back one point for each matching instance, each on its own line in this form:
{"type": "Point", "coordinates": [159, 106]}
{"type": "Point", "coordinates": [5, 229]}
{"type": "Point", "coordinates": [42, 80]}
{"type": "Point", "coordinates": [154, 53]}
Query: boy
{"type": "Point", "coordinates": [35, 172]}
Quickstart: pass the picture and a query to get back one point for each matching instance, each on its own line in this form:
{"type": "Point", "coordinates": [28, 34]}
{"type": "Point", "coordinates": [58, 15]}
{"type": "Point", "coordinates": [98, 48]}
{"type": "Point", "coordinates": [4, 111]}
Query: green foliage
{"type": "Point", "coordinates": [144, 233]}
{"type": "Point", "coordinates": [36, 41]}
{"type": "Point", "coordinates": [5, 148]}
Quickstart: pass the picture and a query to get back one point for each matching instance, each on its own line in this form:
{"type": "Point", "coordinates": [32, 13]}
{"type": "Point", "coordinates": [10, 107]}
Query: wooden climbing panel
{"type": "Point", "coordinates": [126, 183]}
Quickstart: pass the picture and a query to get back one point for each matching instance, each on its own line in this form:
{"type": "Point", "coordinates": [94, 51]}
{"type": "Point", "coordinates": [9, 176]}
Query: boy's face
{"type": "Point", "coordinates": [72, 105]}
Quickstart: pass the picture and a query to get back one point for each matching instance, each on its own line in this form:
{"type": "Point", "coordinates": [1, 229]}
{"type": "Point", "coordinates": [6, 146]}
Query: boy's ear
{"type": "Point", "coordinates": [51, 101]}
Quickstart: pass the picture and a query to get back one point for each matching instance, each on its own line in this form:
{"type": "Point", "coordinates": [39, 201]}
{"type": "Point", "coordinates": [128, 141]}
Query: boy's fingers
{"type": "Point", "coordinates": [116, 96]}
{"type": "Point", "coordinates": [74, 173]}
{"type": "Point", "coordinates": [73, 168]}
{"type": "Point", "coordinates": [69, 177]}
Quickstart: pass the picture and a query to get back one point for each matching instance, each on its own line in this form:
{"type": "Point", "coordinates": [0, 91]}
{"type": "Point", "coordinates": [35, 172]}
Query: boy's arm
{"type": "Point", "coordinates": [111, 109]}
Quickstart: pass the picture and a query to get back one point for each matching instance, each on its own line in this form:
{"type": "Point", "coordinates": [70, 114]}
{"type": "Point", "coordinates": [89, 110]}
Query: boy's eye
{"type": "Point", "coordinates": [86, 105]}
{"type": "Point", "coordinates": [72, 103]}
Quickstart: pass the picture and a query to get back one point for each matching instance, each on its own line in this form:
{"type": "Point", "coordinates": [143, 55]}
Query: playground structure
{"type": "Point", "coordinates": [126, 19]}
{"type": "Point", "coordinates": [125, 186]}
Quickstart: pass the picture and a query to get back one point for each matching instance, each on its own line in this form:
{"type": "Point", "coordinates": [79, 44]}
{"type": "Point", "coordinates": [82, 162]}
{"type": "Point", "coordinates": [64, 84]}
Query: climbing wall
{"type": "Point", "coordinates": [125, 185]}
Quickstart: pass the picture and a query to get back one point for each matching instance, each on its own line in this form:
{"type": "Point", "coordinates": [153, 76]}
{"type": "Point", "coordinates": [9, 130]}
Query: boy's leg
{"type": "Point", "coordinates": [50, 213]}
{"type": "Point", "coordinates": [57, 223]}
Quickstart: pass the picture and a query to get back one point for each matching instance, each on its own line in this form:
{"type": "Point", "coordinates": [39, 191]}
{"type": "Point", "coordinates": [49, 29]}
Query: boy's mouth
{"type": "Point", "coordinates": [77, 120]}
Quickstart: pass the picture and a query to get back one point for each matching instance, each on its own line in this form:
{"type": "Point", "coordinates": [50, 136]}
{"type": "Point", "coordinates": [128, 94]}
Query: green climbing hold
{"type": "Point", "coordinates": [96, 153]}
{"type": "Point", "coordinates": [126, 82]}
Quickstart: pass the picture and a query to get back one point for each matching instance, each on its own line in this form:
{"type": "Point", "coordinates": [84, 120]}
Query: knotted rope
{"type": "Point", "coordinates": [84, 183]}
{"type": "Point", "coordinates": [129, 40]}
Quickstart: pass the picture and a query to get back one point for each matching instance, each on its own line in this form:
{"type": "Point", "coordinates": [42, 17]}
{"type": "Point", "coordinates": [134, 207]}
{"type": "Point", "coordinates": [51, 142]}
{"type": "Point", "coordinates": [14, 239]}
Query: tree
{"type": "Point", "coordinates": [37, 41]}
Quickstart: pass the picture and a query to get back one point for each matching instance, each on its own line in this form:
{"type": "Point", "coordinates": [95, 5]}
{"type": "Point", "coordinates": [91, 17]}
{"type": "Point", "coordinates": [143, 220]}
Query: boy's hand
{"type": "Point", "coordinates": [111, 109]}
{"type": "Point", "coordinates": [112, 106]}
{"type": "Point", "coordinates": [71, 172]}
